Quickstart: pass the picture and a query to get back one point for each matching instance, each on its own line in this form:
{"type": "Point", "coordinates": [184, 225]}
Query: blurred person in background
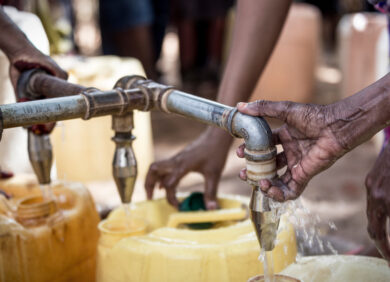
{"type": "Point", "coordinates": [134, 28]}
{"type": "Point", "coordinates": [313, 136]}
{"type": "Point", "coordinates": [201, 27]}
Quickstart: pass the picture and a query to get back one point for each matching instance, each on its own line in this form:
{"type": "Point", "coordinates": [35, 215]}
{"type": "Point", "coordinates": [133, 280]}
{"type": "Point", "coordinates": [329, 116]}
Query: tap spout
{"type": "Point", "coordinates": [124, 166]}
{"type": "Point", "coordinates": [265, 219]}
{"type": "Point", "coordinates": [40, 155]}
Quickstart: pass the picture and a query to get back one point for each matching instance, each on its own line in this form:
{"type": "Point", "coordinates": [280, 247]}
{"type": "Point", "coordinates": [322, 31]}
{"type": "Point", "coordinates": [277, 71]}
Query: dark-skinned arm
{"type": "Point", "coordinates": [21, 53]}
{"type": "Point", "coordinates": [378, 202]}
{"type": "Point", "coordinates": [257, 28]}
{"type": "Point", "coordinates": [315, 136]}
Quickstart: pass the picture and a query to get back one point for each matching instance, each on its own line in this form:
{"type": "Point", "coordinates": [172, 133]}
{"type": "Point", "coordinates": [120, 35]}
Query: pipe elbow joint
{"type": "Point", "coordinates": [260, 152]}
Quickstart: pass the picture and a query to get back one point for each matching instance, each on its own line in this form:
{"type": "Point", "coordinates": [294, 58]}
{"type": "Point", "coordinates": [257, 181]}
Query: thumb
{"type": "Point", "coordinates": [210, 194]}
{"type": "Point", "coordinates": [265, 108]}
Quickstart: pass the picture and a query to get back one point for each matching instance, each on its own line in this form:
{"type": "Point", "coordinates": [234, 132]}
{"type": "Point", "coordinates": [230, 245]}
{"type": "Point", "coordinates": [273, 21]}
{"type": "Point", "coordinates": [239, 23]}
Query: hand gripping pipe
{"type": "Point", "coordinates": [136, 93]}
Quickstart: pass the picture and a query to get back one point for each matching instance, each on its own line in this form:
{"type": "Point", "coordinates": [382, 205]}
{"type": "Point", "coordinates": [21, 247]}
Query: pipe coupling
{"type": "Point", "coordinates": [260, 152]}
{"type": "Point", "coordinates": [92, 106]}
{"type": "Point", "coordinates": [155, 93]}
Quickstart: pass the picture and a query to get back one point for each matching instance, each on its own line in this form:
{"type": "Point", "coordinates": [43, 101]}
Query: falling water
{"type": "Point", "coordinates": [46, 190]}
{"type": "Point", "coordinates": [128, 222]}
{"type": "Point", "coordinates": [268, 265]}
{"type": "Point", "coordinates": [307, 227]}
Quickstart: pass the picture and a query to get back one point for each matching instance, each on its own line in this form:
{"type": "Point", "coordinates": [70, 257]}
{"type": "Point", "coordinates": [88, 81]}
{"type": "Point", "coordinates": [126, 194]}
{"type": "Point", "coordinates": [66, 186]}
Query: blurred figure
{"type": "Point", "coordinates": [200, 25]}
{"type": "Point", "coordinates": [134, 28]}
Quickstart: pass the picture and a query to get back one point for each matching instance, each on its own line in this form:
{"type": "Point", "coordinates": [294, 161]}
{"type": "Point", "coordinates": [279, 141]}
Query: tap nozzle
{"type": "Point", "coordinates": [124, 166]}
{"type": "Point", "coordinates": [40, 155]}
{"type": "Point", "coordinates": [265, 218]}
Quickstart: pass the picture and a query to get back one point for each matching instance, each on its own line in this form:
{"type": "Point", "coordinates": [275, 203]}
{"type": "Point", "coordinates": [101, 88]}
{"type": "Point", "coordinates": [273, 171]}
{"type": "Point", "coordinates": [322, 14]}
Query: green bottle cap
{"type": "Point", "coordinates": [195, 202]}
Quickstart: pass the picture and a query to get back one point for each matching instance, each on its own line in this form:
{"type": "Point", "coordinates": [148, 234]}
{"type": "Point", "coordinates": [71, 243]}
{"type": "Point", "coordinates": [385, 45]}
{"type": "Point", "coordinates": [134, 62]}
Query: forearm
{"type": "Point", "coordinates": [257, 27]}
{"type": "Point", "coordinates": [363, 114]}
{"type": "Point", "coordinates": [12, 39]}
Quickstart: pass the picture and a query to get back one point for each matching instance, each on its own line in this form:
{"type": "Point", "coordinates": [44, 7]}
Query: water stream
{"type": "Point", "coordinates": [47, 192]}
{"type": "Point", "coordinates": [128, 221]}
{"type": "Point", "coordinates": [268, 264]}
{"type": "Point", "coordinates": [308, 228]}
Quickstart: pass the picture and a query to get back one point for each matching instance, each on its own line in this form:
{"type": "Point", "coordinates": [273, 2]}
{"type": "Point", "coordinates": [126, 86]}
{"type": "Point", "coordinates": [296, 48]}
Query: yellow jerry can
{"type": "Point", "coordinates": [152, 243]}
{"type": "Point", "coordinates": [47, 239]}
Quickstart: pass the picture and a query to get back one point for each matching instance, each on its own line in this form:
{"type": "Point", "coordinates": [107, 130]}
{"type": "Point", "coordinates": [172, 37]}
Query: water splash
{"type": "Point", "coordinates": [128, 221]}
{"type": "Point", "coordinates": [307, 228]}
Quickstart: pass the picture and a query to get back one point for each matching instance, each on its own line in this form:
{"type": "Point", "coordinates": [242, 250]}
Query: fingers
{"type": "Point", "coordinates": [281, 160]}
{"type": "Point", "coordinates": [210, 194]}
{"type": "Point", "coordinates": [264, 108]}
{"type": "Point", "coordinates": [156, 173]}
{"type": "Point", "coordinates": [57, 71]}
{"type": "Point", "coordinates": [241, 151]}
{"type": "Point", "coordinates": [51, 67]}
{"type": "Point", "coordinates": [281, 189]}
{"type": "Point", "coordinates": [242, 174]}
{"type": "Point", "coordinates": [168, 173]}
{"type": "Point", "coordinates": [171, 196]}
{"type": "Point", "coordinates": [377, 230]}
{"type": "Point", "coordinates": [40, 129]}
{"type": "Point", "coordinates": [152, 178]}
{"type": "Point", "coordinates": [170, 183]}
{"type": "Point", "coordinates": [276, 137]}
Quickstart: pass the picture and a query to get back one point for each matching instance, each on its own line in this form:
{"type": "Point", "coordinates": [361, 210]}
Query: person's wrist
{"type": "Point", "coordinates": [352, 124]}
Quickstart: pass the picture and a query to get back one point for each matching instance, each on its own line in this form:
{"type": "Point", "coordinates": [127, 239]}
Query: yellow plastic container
{"type": "Point", "coordinates": [47, 239]}
{"type": "Point", "coordinates": [81, 140]}
{"type": "Point", "coordinates": [227, 252]}
{"type": "Point", "coordinates": [339, 268]}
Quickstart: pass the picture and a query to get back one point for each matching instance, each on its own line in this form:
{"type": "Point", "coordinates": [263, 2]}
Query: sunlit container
{"type": "Point", "coordinates": [339, 268]}
{"type": "Point", "coordinates": [47, 239]}
{"type": "Point", "coordinates": [89, 142]}
{"type": "Point", "coordinates": [227, 252]}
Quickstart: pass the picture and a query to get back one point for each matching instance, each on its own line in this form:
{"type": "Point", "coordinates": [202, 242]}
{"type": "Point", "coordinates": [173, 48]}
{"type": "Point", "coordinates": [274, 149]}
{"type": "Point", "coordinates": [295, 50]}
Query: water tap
{"type": "Point", "coordinates": [124, 166]}
{"type": "Point", "coordinates": [264, 212]}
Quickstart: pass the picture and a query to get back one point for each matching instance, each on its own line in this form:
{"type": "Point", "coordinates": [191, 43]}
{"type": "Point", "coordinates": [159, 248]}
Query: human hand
{"type": "Point", "coordinates": [310, 140]}
{"type": "Point", "coordinates": [378, 202]}
{"type": "Point", "coordinates": [29, 58]}
{"type": "Point", "coordinates": [206, 155]}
